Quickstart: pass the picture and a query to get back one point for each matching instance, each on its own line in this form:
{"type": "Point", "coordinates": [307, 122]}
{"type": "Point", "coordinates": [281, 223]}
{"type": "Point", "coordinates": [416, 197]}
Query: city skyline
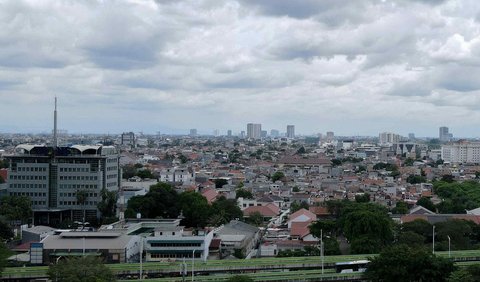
{"type": "Point", "coordinates": [354, 68]}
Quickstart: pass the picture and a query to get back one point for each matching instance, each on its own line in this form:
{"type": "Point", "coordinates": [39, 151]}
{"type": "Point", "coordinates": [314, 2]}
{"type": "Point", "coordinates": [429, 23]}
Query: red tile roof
{"type": "Point", "coordinates": [266, 211]}
{"type": "Point", "coordinates": [300, 229]}
{"type": "Point", "coordinates": [305, 212]}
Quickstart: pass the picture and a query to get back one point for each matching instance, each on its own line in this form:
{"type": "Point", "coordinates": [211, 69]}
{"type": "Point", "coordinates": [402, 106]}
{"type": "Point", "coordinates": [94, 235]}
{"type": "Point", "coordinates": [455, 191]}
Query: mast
{"type": "Point", "coordinates": [55, 138]}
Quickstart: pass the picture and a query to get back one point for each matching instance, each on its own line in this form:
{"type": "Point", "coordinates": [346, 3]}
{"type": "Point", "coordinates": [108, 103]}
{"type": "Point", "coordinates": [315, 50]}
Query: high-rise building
{"type": "Point", "coordinates": [193, 132]}
{"type": "Point", "coordinates": [63, 183]}
{"type": "Point", "coordinates": [443, 134]}
{"type": "Point", "coordinates": [290, 131]}
{"type": "Point", "coordinates": [216, 132]}
{"type": "Point", "coordinates": [411, 136]}
{"type": "Point", "coordinates": [242, 134]}
{"type": "Point", "coordinates": [229, 133]}
{"type": "Point", "coordinates": [263, 134]}
{"type": "Point", "coordinates": [53, 178]}
{"type": "Point", "coordinates": [461, 152]}
{"type": "Point", "coordinates": [254, 130]}
{"type": "Point", "coordinates": [386, 138]}
{"type": "Point", "coordinates": [274, 133]}
{"type": "Point", "coordinates": [330, 136]}
{"type": "Point", "coordinates": [128, 139]}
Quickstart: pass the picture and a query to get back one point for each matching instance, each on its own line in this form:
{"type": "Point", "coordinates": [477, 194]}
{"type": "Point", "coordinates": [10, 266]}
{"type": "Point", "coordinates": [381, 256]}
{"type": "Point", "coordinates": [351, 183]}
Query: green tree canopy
{"type": "Point", "coordinates": [160, 201]}
{"type": "Point", "coordinates": [108, 204]}
{"type": "Point", "coordinates": [195, 209]}
{"type": "Point", "coordinates": [400, 208]}
{"type": "Point", "coordinates": [243, 193]}
{"type": "Point", "coordinates": [255, 218]}
{"type": "Point", "coordinates": [278, 176]}
{"type": "Point", "coordinates": [295, 206]}
{"type": "Point", "coordinates": [426, 203]}
{"type": "Point", "coordinates": [366, 222]}
{"type": "Point", "coordinates": [402, 263]}
{"type": "Point", "coordinates": [16, 208]}
{"type": "Point", "coordinates": [219, 182]}
{"type": "Point", "coordinates": [223, 210]}
{"type": "Point", "coordinates": [82, 269]}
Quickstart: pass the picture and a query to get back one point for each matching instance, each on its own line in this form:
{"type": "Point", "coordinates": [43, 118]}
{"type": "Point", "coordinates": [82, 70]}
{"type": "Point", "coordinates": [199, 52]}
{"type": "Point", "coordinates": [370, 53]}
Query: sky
{"type": "Point", "coordinates": [353, 67]}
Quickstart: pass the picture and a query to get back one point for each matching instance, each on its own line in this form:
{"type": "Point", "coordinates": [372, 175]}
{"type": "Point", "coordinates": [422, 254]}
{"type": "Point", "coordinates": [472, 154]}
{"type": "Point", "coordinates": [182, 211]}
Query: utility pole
{"type": "Point", "coordinates": [433, 240]}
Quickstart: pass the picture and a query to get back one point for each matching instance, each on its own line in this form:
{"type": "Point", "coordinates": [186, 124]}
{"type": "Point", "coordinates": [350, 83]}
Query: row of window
{"type": "Point", "coordinates": [112, 160]}
{"type": "Point", "coordinates": [187, 255]}
{"type": "Point", "coordinates": [28, 177]}
{"type": "Point", "coordinates": [111, 184]}
{"type": "Point", "coordinates": [78, 186]}
{"type": "Point", "coordinates": [27, 185]}
{"type": "Point", "coordinates": [75, 194]}
{"type": "Point", "coordinates": [75, 203]}
{"type": "Point", "coordinates": [179, 244]}
{"type": "Point", "coordinates": [111, 176]}
{"type": "Point", "coordinates": [112, 168]}
{"type": "Point", "coordinates": [74, 169]}
{"type": "Point", "coordinates": [29, 194]}
{"type": "Point", "coordinates": [78, 177]}
{"type": "Point", "coordinates": [39, 203]}
{"type": "Point", "coordinates": [31, 169]}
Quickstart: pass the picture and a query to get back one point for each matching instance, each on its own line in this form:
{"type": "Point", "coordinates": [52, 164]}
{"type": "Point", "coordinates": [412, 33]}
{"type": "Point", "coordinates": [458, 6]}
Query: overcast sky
{"type": "Point", "coordinates": [350, 66]}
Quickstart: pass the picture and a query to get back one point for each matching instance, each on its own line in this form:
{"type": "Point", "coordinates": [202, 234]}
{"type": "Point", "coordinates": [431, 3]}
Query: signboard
{"type": "Point", "coordinates": [36, 253]}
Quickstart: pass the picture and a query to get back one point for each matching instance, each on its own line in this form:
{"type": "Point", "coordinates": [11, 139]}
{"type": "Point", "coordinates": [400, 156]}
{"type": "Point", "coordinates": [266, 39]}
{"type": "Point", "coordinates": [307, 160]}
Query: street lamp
{"type": "Point", "coordinates": [321, 249]}
{"type": "Point", "coordinates": [433, 240]}
{"type": "Point", "coordinates": [141, 257]}
{"type": "Point", "coordinates": [193, 264]}
{"type": "Point", "coordinates": [449, 253]}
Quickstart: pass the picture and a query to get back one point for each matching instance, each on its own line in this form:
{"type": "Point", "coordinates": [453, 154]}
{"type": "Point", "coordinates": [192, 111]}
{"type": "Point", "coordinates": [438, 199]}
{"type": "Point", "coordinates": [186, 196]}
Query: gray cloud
{"type": "Point", "coordinates": [355, 67]}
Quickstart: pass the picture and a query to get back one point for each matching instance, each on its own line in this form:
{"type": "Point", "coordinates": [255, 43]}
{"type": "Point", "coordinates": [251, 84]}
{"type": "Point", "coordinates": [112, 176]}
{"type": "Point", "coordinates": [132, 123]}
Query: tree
{"type": "Point", "coordinates": [366, 222]}
{"type": "Point", "coordinates": [243, 193]}
{"type": "Point", "coordinates": [160, 201]}
{"type": "Point", "coordinates": [16, 208]}
{"type": "Point", "coordinates": [400, 208]}
{"type": "Point", "coordinates": [418, 226]}
{"type": "Point", "coordinates": [415, 179]}
{"type": "Point", "coordinates": [426, 203]}
{"type": "Point", "coordinates": [82, 196]}
{"type": "Point", "coordinates": [195, 209]}
{"type": "Point", "coordinates": [295, 189]}
{"type": "Point", "coordinates": [402, 263]}
{"type": "Point", "coordinates": [223, 210]}
{"type": "Point", "coordinates": [240, 278]}
{"type": "Point", "coordinates": [1, 180]}
{"type": "Point", "coordinates": [470, 273]}
{"type": "Point", "coordinates": [82, 269]}
{"type": "Point", "coordinates": [219, 182]}
{"type": "Point", "coordinates": [145, 173]}
{"type": "Point", "coordinates": [108, 204]}
{"type": "Point", "coordinates": [301, 151]}
{"type": "Point", "coordinates": [255, 218]}
{"type": "Point", "coordinates": [327, 227]}
{"type": "Point", "coordinates": [4, 254]}
{"type": "Point", "coordinates": [295, 206]}
{"type": "Point", "coordinates": [364, 198]}
{"type": "Point", "coordinates": [278, 176]}
{"type": "Point", "coordinates": [6, 232]}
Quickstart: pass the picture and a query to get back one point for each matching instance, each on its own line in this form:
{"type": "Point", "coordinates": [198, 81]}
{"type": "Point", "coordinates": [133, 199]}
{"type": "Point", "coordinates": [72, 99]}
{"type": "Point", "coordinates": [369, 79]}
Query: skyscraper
{"type": "Point", "coordinates": [330, 136]}
{"type": "Point", "coordinates": [290, 131]}
{"type": "Point", "coordinates": [443, 134]}
{"type": "Point", "coordinates": [274, 133]}
{"type": "Point", "coordinates": [254, 130]}
{"type": "Point", "coordinates": [193, 132]}
{"type": "Point", "coordinates": [229, 133]}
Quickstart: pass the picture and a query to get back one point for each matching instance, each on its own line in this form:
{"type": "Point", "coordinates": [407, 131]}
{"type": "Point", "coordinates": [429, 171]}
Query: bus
{"type": "Point", "coordinates": [351, 266]}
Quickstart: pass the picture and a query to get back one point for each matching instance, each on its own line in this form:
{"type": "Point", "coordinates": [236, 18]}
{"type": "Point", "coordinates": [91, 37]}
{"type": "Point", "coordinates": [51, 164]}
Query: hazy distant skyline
{"type": "Point", "coordinates": [352, 67]}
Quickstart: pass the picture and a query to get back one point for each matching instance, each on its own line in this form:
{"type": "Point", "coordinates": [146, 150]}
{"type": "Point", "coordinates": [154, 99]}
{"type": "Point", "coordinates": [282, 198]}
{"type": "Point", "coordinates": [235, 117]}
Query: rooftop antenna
{"type": "Point", "coordinates": [55, 139]}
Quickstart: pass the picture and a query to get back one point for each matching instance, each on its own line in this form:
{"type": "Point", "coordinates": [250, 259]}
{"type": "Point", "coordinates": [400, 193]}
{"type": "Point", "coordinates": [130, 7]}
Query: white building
{"type": "Point", "coordinates": [183, 175]}
{"type": "Point", "coordinates": [385, 138]}
{"type": "Point", "coordinates": [461, 152]}
{"type": "Point", "coordinates": [254, 130]}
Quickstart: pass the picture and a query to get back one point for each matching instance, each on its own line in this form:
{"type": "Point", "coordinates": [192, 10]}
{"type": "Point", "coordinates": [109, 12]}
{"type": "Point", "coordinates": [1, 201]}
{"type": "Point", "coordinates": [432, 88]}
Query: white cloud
{"type": "Point", "coordinates": [355, 67]}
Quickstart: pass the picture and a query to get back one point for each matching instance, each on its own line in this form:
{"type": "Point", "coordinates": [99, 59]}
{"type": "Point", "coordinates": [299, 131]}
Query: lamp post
{"type": "Point", "coordinates": [141, 257]}
{"type": "Point", "coordinates": [321, 249]}
{"type": "Point", "coordinates": [449, 253]}
{"type": "Point", "coordinates": [193, 264]}
{"type": "Point", "coordinates": [433, 240]}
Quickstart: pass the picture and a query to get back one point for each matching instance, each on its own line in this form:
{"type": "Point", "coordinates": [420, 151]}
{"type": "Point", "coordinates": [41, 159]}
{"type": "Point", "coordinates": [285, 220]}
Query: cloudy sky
{"type": "Point", "coordinates": [356, 67]}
